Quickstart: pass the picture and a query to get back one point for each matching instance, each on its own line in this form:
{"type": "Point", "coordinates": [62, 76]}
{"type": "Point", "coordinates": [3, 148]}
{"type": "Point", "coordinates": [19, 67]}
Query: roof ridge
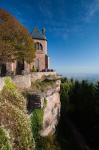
{"type": "Point", "coordinates": [36, 34]}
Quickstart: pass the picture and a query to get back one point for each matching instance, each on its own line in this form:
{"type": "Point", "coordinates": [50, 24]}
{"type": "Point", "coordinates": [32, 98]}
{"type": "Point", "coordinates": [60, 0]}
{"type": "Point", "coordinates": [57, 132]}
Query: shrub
{"type": "Point", "coordinates": [12, 95]}
{"type": "Point", "coordinates": [9, 84]}
{"type": "Point", "coordinates": [37, 122]}
{"type": "Point", "coordinates": [4, 140]}
{"type": "Point", "coordinates": [19, 126]}
{"type": "Point", "coordinates": [14, 118]}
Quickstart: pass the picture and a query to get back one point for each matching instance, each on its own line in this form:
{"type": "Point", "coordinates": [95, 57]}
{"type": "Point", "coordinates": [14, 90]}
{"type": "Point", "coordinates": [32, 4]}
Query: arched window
{"type": "Point", "coordinates": [38, 46]}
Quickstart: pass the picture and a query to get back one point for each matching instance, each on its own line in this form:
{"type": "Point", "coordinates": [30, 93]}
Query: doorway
{"type": "Point", "coordinates": [20, 67]}
{"type": "Point", "coordinates": [3, 70]}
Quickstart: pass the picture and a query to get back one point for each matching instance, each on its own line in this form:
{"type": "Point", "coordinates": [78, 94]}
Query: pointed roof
{"type": "Point", "coordinates": [36, 34]}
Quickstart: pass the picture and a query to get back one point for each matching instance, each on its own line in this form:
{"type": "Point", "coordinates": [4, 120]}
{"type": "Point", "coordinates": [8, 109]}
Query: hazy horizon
{"type": "Point", "coordinates": [91, 77]}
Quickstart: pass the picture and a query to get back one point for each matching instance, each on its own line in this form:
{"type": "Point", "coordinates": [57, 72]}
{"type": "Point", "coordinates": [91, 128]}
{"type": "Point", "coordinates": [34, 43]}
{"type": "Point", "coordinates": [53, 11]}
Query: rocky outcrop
{"type": "Point", "coordinates": [49, 101]}
{"type": "Point", "coordinates": [38, 75]}
{"type": "Point", "coordinates": [51, 114]}
{"type": "Point", "coordinates": [51, 109]}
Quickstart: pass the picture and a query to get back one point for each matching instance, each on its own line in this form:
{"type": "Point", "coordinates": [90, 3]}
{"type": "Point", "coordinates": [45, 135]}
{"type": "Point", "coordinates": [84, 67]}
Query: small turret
{"type": "Point", "coordinates": [43, 31]}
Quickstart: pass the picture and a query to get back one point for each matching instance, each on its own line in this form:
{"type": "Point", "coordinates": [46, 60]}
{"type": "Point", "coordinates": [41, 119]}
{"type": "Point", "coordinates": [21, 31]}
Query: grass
{"type": "Point", "coordinates": [37, 121]}
{"type": "Point", "coordinates": [43, 86]}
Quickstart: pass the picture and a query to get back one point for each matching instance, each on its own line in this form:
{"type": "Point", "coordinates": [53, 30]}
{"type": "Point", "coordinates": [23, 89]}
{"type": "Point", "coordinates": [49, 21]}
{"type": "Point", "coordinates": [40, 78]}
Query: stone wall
{"type": "Point", "coordinates": [44, 44]}
{"type": "Point", "coordinates": [11, 67]}
{"type": "Point", "coordinates": [22, 81]}
{"type": "Point", "coordinates": [40, 55]}
{"type": "Point", "coordinates": [39, 62]}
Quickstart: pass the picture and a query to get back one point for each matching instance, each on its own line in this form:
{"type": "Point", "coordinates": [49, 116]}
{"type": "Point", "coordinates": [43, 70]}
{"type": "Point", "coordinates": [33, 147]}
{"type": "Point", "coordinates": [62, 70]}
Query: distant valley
{"type": "Point", "coordinates": [81, 76]}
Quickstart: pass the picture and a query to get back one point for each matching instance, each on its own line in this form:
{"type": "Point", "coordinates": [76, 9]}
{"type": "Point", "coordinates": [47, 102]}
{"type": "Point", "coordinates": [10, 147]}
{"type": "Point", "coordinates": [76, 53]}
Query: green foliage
{"type": "Point", "coordinates": [48, 143]}
{"type": "Point", "coordinates": [66, 86]}
{"type": "Point", "coordinates": [4, 140]}
{"type": "Point", "coordinates": [37, 121]}
{"type": "Point", "coordinates": [97, 99]}
{"type": "Point", "coordinates": [9, 84]}
{"type": "Point", "coordinates": [80, 103]}
{"type": "Point", "coordinates": [42, 143]}
{"type": "Point", "coordinates": [12, 95]}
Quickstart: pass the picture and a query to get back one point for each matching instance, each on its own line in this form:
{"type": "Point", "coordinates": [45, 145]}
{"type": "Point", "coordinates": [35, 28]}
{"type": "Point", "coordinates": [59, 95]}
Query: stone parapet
{"type": "Point", "coordinates": [24, 81]}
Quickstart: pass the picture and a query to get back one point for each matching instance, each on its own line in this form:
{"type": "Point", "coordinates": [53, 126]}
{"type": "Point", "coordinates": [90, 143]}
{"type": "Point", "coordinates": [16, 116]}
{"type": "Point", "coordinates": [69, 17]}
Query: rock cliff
{"type": "Point", "coordinates": [51, 110]}
{"type": "Point", "coordinates": [45, 94]}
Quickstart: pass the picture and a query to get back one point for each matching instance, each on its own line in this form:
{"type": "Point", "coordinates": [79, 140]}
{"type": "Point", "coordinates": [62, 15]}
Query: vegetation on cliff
{"type": "Point", "coordinates": [4, 139]}
{"type": "Point", "coordinates": [43, 85]}
{"type": "Point", "coordinates": [14, 119]}
{"type": "Point", "coordinates": [37, 122]}
{"type": "Point", "coordinates": [42, 143]}
{"type": "Point", "coordinates": [18, 130]}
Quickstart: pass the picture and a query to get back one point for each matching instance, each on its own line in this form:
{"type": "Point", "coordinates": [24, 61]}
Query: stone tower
{"type": "Point", "coordinates": [40, 44]}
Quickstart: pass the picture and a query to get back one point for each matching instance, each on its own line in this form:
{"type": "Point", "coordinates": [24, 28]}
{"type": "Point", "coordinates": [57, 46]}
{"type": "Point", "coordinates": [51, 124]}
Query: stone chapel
{"type": "Point", "coordinates": [40, 63]}
{"type": "Point", "coordinates": [40, 44]}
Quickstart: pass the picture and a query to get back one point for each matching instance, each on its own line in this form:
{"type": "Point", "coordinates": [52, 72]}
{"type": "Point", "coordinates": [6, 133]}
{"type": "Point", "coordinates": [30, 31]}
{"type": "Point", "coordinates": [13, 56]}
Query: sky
{"type": "Point", "coordinates": [72, 30]}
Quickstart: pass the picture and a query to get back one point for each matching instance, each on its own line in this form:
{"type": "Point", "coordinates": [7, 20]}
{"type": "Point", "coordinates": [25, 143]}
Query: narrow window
{"type": "Point", "coordinates": [38, 46]}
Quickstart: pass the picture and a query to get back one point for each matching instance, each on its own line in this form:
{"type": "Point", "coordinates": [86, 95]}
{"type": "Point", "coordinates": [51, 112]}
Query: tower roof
{"type": "Point", "coordinates": [36, 34]}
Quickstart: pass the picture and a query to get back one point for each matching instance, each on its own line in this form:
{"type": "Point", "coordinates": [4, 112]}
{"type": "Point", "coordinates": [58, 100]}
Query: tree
{"type": "Point", "coordinates": [15, 41]}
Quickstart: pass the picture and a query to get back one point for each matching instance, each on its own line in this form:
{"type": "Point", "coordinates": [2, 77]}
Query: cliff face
{"type": "Point", "coordinates": [51, 110]}
{"type": "Point", "coordinates": [51, 114]}
{"type": "Point", "coordinates": [45, 94]}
